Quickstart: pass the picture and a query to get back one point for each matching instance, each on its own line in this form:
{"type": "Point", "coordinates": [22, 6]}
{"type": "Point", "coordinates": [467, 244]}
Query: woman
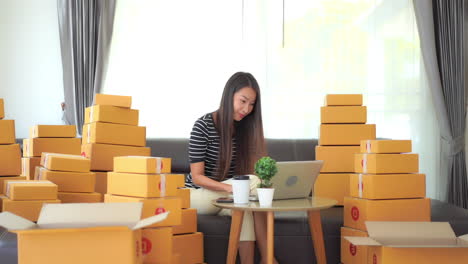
{"type": "Point", "coordinates": [228, 142]}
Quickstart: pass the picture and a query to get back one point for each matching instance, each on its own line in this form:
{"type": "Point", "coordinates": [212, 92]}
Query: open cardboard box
{"type": "Point", "coordinates": [412, 242]}
{"type": "Point", "coordinates": [81, 233]}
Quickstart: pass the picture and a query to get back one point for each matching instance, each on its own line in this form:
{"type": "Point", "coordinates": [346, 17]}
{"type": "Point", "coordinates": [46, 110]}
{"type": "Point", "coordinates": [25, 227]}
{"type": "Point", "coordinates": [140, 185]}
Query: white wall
{"type": "Point", "coordinates": [30, 63]}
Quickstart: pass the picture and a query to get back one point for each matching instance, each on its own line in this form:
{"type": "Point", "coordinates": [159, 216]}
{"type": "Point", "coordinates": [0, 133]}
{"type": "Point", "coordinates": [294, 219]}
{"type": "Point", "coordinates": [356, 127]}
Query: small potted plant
{"type": "Point", "coordinates": [265, 169]}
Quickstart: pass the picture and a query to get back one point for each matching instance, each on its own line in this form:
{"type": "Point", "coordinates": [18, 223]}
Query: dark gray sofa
{"type": "Point", "coordinates": [293, 243]}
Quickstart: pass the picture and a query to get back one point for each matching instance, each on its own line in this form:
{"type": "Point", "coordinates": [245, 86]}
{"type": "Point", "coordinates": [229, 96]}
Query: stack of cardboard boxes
{"type": "Point", "coordinates": [111, 129]}
{"type": "Point", "coordinates": [148, 180]}
{"type": "Point", "coordinates": [343, 126]}
{"type": "Point", "coordinates": [386, 187]}
{"type": "Point", "coordinates": [72, 175]}
{"type": "Point", "coordinates": [26, 198]}
{"type": "Point", "coordinates": [47, 138]}
{"type": "Point", "coordinates": [10, 153]}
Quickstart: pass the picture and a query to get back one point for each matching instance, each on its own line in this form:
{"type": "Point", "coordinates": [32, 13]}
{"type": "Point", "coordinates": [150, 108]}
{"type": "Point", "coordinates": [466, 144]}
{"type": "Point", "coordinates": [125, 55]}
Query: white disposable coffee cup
{"type": "Point", "coordinates": [241, 189]}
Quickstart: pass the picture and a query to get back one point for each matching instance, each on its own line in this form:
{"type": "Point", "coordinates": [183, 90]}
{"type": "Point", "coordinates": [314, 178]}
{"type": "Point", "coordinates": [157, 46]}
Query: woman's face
{"type": "Point", "coordinates": [244, 102]}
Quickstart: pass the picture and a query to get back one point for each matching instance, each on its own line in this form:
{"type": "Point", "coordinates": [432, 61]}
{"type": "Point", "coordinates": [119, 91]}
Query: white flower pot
{"type": "Point", "coordinates": [265, 196]}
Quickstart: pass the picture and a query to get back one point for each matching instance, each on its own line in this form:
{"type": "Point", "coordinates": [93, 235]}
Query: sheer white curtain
{"type": "Point", "coordinates": [174, 58]}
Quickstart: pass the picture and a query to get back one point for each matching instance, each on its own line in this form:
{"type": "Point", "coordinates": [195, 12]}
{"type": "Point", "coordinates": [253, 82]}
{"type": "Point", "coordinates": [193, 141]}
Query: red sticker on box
{"type": "Point", "coordinates": [83, 154]}
{"type": "Point", "coordinates": [146, 245]}
{"type": "Point", "coordinates": [374, 259]}
{"type": "Point", "coordinates": [159, 186]}
{"type": "Point", "coordinates": [355, 213]}
{"type": "Point", "coordinates": [159, 210]}
{"type": "Point", "coordinates": [362, 163]}
{"type": "Point", "coordinates": [352, 249]}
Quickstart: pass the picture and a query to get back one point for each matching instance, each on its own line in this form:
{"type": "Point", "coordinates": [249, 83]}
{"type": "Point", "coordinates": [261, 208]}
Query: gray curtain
{"type": "Point", "coordinates": [441, 30]}
{"type": "Point", "coordinates": [85, 34]}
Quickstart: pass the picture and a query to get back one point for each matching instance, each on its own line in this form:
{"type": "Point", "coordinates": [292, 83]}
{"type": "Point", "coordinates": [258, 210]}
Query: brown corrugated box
{"type": "Point", "coordinates": [52, 131]}
{"type": "Point", "coordinates": [30, 190]}
{"type": "Point", "coordinates": [33, 147]}
{"type": "Point", "coordinates": [10, 163]}
{"type": "Point", "coordinates": [412, 242]}
{"type": "Point", "coordinates": [28, 167]}
{"type": "Point", "coordinates": [343, 99]}
{"type": "Point", "coordinates": [7, 132]}
{"type": "Point", "coordinates": [141, 185]}
{"type": "Point", "coordinates": [336, 158]}
{"type": "Point", "coordinates": [385, 146]}
{"type": "Point", "coordinates": [189, 222]}
{"type": "Point", "coordinates": [157, 245]}
{"type": "Point", "coordinates": [65, 162]}
{"type": "Point", "coordinates": [68, 181]}
{"type": "Point", "coordinates": [189, 247]}
{"type": "Point", "coordinates": [111, 114]}
{"type": "Point", "coordinates": [357, 211]}
{"type": "Point", "coordinates": [343, 115]}
{"type": "Point", "coordinates": [102, 155]}
{"type": "Point", "coordinates": [345, 134]}
{"type": "Point", "coordinates": [386, 163]}
{"type": "Point", "coordinates": [387, 186]}
{"type": "Point", "coordinates": [332, 185]}
{"type": "Point", "coordinates": [107, 133]}
{"type": "Point", "coordinates": [142, 164]}
{"type": "Point", "coordinates": [92, 233]}
{"type": "Point", "coordinates": [75, 197]}
{"type": "Point", "coordinates": [114, 100]}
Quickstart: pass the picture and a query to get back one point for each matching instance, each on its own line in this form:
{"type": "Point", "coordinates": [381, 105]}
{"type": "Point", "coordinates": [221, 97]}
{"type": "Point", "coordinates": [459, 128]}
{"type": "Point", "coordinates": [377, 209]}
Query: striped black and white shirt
{"type": "Point", "coordinates": [204, 146]}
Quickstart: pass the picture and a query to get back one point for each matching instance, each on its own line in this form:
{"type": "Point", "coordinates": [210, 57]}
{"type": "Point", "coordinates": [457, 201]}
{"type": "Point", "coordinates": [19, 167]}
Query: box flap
{"type": "Point", "coordinates": [411, 233]}
{"type": "Point", "coordinates": [362, 241]}
{"type": "Point", "coordinates": [463, 240]}
{"type": "Point", "coordinates": [76, 215]}
{"type": "Point", "coordinates": [151, 220]}
{"type": "Point", "coordinates": [11, 221]}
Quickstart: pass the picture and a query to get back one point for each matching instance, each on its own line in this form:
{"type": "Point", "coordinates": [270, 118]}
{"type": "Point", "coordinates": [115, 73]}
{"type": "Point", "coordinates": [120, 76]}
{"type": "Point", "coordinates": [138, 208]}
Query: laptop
{"type": "Point", "coordinates": [294, 179]}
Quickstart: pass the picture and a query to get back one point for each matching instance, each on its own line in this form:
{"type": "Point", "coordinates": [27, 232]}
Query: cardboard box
{"type": "Point", "coordinates": [111, 114]}
{"type": "Point", "coordinates": [350, 253]}
{"type": "Point", "coordinates": [406, 242]}
{"type": "Point", "coordinates": [189, 247]}
{"type": "Point", "coordinates": [102, 155]}
{"type": "Point", "coordinates": [10, 162]}
{"type": "Point", "coordinates": [30, 190]}
{"type": "Point", "coordinates": [180, 179]}
{"type": "Point", "coordinates": [101, 182]}
{"type": "Point", "coordinates": [91, 234]}
{"type": "Point", "coordinates": [141, 185]}
{"type": "Point", "coordinates": [184, 194]}
{"type": "Point", "coordinates": [343, 99]}
{"type": "Point", "coordinates": [28, 167]}
{"type": "Point", "coordinates": [52, 131]}
{"type": "Point", "coordinates": [189, 222]}
{"type": "Point", "coordinates": [9, 178]}
{"type": "Point", "coordinates": [108, 133]}
{"type": "Point", "coordinates": [357, 211]}
{"type": "Point", "coordinates": [387, 186]}
{"type": "Point", "coordinates": [114, 100]}
{"type": "Point", "coordinates": [68, 181]}
{"type": "Point", "coordinates": [65, 162]}
{"type": "Point", "coordinates": [33, 147]}
{"type": "Point", "coordinates": [343, 115]}
{"type": "Point", "coordinates": [385, 146]}
{"type": "Point", "coordinates": [26, 209]}
{"type": "Point", "coordinates": [7, 132]}
{"type": "Point", "coordinates": [72, 197]}
{"type": "Point", "coordinates": [386, 163]}
{"type": "Point", "coordinates": [332, 185]}
{"type": "Point", "coordinates": [2, 109]}
{"type": "Point", "coordinates": [336, 158]}
{"type": "Point", "coordinates": [153, 206]}
{"type": "Point", "coordinates": [142, 164]}
{"type": "Point", "coordinates": [2, 197]}
{"type": "Point", "coordinates": [345, 135]}
{"type": "Point", "coordinates": [157, 245]}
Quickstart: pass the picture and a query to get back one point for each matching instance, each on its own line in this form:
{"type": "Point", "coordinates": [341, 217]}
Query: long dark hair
{"type": "Point", "coordinates": [248, 132]}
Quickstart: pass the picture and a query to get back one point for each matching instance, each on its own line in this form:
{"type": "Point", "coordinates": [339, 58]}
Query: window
{"type": "Point", "coordinates": [174, 58]}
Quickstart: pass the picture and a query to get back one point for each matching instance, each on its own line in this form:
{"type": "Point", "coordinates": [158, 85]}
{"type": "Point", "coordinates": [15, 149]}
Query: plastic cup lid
{"type": "Point", "coordinates": [241, 177]}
